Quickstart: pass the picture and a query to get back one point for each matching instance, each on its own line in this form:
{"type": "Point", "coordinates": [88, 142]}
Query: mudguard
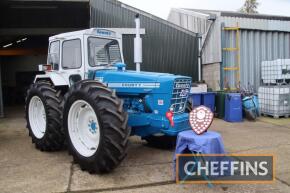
{"type": "Point", "coordinates": [55, 78]}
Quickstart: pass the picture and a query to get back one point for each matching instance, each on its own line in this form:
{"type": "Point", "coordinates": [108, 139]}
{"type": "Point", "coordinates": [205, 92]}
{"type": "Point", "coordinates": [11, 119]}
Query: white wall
{"type": "Point", "coordinates": [198, 23]}
{"type": "Point", "coordinates": [211, 75]}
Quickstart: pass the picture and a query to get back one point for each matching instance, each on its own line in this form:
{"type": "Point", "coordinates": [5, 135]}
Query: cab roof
{"type": "Point", "coordinates": [100, 32]}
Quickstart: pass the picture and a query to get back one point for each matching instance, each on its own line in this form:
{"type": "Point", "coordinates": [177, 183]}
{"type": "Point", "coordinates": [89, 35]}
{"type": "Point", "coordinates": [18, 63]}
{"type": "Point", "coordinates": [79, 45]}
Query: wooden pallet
{"type": "Point", "coordinates": [278, 82]}
{"type": "Point", "coordinates": [275, 116]}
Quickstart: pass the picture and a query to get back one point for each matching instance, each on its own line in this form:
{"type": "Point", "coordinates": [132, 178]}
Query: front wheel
{"type": "Point", "coordinates": [96, 126]}
{"type": "Point", "coordinates": [43, 116]}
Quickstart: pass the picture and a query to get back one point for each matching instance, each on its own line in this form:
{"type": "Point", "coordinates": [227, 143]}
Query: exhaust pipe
{"type": "Point", "coordinates": [137, 45]}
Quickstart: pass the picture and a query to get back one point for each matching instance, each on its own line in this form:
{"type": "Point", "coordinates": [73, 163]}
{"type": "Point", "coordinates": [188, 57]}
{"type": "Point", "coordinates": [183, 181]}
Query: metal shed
{"type": "Point", "coordinates": [166, 46]}
{"type": "Point", "coordinates": [257, 38]}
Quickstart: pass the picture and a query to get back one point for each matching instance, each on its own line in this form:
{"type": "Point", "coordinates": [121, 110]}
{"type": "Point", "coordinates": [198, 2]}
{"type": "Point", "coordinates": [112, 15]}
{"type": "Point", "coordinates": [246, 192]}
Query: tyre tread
{"type": "Point", "coordinates": [113, 147]}
{"type": "Point", "coordinates": [54, 137]}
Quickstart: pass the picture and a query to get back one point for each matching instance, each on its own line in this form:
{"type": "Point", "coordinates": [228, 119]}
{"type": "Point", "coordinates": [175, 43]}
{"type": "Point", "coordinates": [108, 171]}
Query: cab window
{"type": "Point", "coordinates": [103, 51]}
{"type": "Point", "coordinates": [53, 54]}
{"type": "Point", "coordinates": [71, 54]}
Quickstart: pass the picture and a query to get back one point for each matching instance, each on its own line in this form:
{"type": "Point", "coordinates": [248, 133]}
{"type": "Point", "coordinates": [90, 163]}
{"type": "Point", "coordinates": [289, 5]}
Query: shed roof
{"type": "Point", "coordinates": [262, 22]}
{"type": "Point", "coordinates": [242, 15]}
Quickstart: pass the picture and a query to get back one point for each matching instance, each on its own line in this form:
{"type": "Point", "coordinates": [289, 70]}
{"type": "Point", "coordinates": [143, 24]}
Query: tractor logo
{"type": "Point", "coordinates": [104, 32]}
{"type": "Point", "coordinates": [184, 93]}
{"type": "Point", "coordinates": [133, 85]}
{"type": "Point", "coordinates": [179, 85]}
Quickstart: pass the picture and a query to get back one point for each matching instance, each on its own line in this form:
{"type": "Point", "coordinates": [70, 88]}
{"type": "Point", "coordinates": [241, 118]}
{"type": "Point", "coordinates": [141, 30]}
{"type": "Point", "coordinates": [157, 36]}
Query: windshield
{"type": "Point", "coordinates": [103, 51]}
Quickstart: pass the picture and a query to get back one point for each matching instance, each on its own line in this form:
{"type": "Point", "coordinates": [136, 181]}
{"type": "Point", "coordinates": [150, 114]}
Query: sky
{"type": "Point", "coordinates": [161, 8]}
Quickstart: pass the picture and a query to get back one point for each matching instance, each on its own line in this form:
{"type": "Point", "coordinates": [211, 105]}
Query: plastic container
{"type": "Point", "coordinates": [251, 102]}
{"type": "Point", "coordinates": [274, 100]}
{"type": "Point", "coordinates": [248, 103]}
{"type": "Point", "coordinates": [250, 107]}
{"type": "Point", "coordinates": [256, 102]}
{"type": "Point", "coordinates": [220, 104]}
{"type": "Point", "coordinates": [233, 108]}
{"type": "Point", "coordinates": [208, 100]}
{"type": "Point", "coordinates": [195, 99]}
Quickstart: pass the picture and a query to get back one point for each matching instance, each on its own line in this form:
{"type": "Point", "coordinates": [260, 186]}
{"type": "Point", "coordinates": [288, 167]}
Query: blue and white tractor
{"type": "Point", "coordinates": [89, 101]}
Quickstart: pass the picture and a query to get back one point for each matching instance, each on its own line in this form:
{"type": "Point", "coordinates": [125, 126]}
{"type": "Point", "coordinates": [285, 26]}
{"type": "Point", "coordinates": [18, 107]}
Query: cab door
{"type": "Point", "coordinates": [72, 60]}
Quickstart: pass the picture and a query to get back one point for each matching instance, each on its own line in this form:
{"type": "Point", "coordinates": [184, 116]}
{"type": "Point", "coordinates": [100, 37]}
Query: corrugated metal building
{"type": "Point", "coordinates": [259, 38]}
{"type": "Point", "coordinates": [166, 47]}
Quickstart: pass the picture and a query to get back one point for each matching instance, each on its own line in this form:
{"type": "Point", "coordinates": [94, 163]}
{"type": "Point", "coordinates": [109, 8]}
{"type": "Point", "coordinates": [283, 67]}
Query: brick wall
{"type": "Point", "coordinates": [211, 75]}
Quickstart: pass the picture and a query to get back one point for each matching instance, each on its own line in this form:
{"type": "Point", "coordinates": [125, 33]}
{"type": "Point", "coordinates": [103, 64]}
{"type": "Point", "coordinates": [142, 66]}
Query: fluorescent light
{"type": "Point", "coordinates": [8, 45]}
{"type": "Point", "coordinates": [33, 7]}
{"type": "Point", "coordinates": [21, 40]}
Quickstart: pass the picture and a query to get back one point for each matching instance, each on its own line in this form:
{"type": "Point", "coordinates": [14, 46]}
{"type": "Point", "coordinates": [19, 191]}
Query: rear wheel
{"type": "Point", "coordinates": [43, 116]}
{"type": "Point", "coordinates": [96, 126]}
{"type": "Point", "coordinates": [165, 142]}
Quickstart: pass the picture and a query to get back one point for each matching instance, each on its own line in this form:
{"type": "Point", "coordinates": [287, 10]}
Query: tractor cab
{"type": "Point", "coordinates": [72, 55]}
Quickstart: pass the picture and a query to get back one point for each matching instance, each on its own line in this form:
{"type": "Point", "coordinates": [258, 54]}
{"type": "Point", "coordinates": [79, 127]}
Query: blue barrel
{"type": "Point", "coordinates": [208, 100]}
{"type": "Point", "coordinates": [256, 102]}
{"type": "Point", "coordinates": [233, 107]}
{"type": "Point", "coordinates": [248, 102]}
{"type": "Point", "coordinates": [195, 99]}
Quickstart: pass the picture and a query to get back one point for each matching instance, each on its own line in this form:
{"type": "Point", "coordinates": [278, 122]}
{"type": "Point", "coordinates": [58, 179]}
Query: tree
{"type": "Point", "coordinates": [250, 6]}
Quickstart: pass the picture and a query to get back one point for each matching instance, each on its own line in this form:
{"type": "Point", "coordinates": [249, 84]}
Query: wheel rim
{"type": "Point", "coordinates": [83, 128]}
{"type": "Point", "coordinates": [37, 117]}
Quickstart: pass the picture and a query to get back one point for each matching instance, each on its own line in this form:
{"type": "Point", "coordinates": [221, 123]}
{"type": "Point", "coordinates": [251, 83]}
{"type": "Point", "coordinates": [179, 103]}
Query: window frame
{"type": "Point", "coordinates": [65, 68]}
{"type": "Point", "coordinates": [58, 49]}
{"type": "Point", "coordinates": [88, 46]}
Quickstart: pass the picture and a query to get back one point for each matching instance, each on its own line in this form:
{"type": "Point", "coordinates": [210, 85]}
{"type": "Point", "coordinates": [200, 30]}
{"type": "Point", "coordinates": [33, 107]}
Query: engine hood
{"type": "Point", "coordinates": [137, 82]}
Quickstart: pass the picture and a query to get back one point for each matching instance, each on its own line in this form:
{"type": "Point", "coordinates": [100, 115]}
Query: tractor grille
{"type": "Point", "coordinates": [181, 88]}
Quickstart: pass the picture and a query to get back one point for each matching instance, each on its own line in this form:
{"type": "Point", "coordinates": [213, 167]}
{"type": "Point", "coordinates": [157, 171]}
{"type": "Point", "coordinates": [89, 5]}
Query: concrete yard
{"type": "Point", "coordinates": [25, 169]}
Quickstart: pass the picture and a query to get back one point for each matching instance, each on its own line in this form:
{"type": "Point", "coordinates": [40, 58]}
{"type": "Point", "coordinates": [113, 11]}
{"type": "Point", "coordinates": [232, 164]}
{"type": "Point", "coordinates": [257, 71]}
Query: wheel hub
{"type": "Point", "coordinates": [83, 128]}
{"type": "Point", "coordinates": [92, 126]}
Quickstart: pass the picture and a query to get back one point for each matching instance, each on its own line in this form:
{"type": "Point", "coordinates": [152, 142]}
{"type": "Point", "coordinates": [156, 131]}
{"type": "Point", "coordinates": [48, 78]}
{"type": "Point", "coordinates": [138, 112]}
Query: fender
{"type": "Point", "coordinates": [55, 78]}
